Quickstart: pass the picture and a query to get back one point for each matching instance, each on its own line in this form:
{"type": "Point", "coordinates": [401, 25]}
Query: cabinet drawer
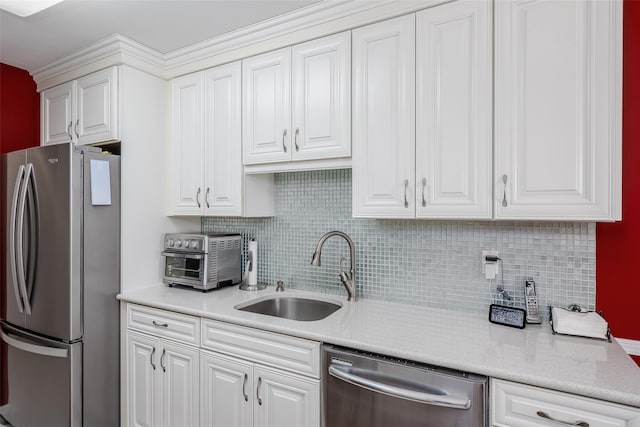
{"type": "Point", "coordinates": [518, 405]}
{"type": "Point", "coordinates": [163, 323]}
{"type": "Point", "coordinates": [280, 351]}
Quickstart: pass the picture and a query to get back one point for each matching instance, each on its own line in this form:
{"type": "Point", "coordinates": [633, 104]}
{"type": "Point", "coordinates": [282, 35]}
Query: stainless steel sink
{"type": "Point", "coordinates": [292, 308]}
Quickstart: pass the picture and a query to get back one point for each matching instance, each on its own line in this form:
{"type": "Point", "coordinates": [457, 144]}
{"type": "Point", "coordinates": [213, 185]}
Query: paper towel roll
{"type": "Point", "coordinates": [253, 270]}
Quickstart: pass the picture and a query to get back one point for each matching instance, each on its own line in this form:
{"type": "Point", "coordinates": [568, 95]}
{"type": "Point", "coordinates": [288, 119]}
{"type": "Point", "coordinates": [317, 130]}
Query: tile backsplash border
{"type": "Point", "coordinates": [432, 263]}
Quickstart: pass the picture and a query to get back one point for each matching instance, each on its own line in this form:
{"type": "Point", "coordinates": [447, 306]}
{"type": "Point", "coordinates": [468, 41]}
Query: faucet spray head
{"type": "Point", "coordinates": [316, 259]}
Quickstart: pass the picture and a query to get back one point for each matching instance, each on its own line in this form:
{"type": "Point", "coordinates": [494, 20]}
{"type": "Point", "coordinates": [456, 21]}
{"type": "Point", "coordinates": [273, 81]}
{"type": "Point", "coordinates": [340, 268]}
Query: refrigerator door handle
{"type": "Point", "coordinates": [13, 240]}
{"type": "Point", "coordinates": [34, 235]}
{"type": "Point", "coordinates": [22, 283]}
{"type": "Point", "coordinates": [32, 347]}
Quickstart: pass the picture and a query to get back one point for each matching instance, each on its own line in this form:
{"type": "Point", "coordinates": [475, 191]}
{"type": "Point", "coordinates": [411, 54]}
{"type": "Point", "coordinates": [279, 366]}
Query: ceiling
{"type": "Point", "coordinates": [164, 25]}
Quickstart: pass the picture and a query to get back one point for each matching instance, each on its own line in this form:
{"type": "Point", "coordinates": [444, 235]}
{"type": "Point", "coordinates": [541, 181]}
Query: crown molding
{"type": "Point", "coordinates": [317, 20]}
{"type": "Point", "coordinates": [113, 50]}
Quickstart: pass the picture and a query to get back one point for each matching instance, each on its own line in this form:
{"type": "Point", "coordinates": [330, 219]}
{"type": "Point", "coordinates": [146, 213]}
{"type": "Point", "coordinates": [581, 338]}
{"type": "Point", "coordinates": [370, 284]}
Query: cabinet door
{"type": "Point", "coordinates": [453, 111]}
{"type": "Point", "coordinates": [285, 400]}
{"type": "Point", "coordinates": [557, 106]}
{"type": "Point", "coordinates": [56, 112]}
{"type": "Point", "coordinates": [266, 85]}
{"type": "Point", "coordinates": [384, 119]}
{"type": "Point", "coordinates": [142, 396]}
{"type": "Point", "coordinates": [321, 94]}
{"type": "Point", "coordinates": [223, 142]}
{"type": "Point", "coordinates": [188, 144]}
{"type": "Point", "coordinates": [97, 110]}
{"type": "Point", "coordinates": [226, 391]}
{"type": "Point", "coordinates": [179, 370]}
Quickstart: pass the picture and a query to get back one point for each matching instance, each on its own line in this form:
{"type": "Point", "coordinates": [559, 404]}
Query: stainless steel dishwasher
{"type": "Point", "coordinates": [362, 389]}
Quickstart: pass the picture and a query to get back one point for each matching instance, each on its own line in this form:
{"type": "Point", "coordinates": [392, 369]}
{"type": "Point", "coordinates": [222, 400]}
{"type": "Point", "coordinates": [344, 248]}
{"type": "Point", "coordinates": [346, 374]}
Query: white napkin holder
{"type": "Point", "coordinates": [588, 324]}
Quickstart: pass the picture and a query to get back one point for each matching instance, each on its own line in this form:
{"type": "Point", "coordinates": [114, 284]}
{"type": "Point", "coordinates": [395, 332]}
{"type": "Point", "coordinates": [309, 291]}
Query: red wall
{"type": "Point", "coordinates": [618, 244]}
{"type": "Point", "coordinates": [19, 110]}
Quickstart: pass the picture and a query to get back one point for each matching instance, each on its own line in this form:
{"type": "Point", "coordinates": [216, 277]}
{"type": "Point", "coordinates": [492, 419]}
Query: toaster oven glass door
{"type": "Point", "coordinates": [185, 268]}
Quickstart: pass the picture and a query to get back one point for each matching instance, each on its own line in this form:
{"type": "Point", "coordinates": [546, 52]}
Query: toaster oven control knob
{"type": "Point", "coordinates": [194, 244]}
{"type": "Point", "coordinates": [178, 243]}
{"type": "Point", "coordinates": [186, 244]}
{"type": "Point", "coordinates": [170, 242]}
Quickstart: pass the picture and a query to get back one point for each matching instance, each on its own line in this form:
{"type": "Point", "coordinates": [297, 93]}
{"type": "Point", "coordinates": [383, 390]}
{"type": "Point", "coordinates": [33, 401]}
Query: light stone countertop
{"type": "Point", "coordinates": [451, 339]}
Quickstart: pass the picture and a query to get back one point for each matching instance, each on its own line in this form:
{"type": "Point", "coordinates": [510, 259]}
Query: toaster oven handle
{"type": "Point", "coordinates": [183, 255]}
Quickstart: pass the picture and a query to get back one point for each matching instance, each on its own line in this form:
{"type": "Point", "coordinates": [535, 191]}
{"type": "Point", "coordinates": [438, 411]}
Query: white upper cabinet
{"type": "Point", "coordinates": [453, 111]}
{"type": "Point", "coordinates": [207, 175]}
{"type": "Point", "coordinates": [296, 103]}
{"type": "Point", "coordinates": [321, 93]}
{"type": "Point", "coordinates": [384, 119]}
{"type": "Point", "coordinates": [187, 154]}
{"type": "Point", "coordinates": [558, 110]}
{"type": "Point", "coordinates": [83, 111]}
{"type": "Point", "coordinates": [267, 107]}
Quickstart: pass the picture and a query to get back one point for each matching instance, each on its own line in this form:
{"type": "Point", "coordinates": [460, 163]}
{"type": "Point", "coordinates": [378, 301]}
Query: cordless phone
{"type": "Point", "coordinates": [531, 300]}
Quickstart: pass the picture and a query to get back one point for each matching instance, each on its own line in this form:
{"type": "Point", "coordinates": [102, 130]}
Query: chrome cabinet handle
{"type": "Point", "coordinates": [69, 130]}
{"type": "Point", "coordinates": [164, 351]}
{"type": "Point", "coordinates": [258, 391]}
{"type": "Point", "coordinates": [198, 197]}
{"type": "Point", "coordinates": [295, 139]}
{"type": "Point", "coordinates": [163, 325]}
{"type": "Point", "coordinates": [206, 197]}
{"type": "Point", "coordinates": [76, 128]}
{"type": "Point", "coordinates": [151, 358]}
{"type": "Point", "coordinates": [406, 186]}
{"type": "Point", "coordinates": [549, 417]}
{"type": "Point", "coordinates": [284, 133]}
{"type": "Point", "coordinates": [244, 388]}
{"type": "Point", "coordinates": [424, 185]}
{"type": "Point", "coordinates": [504, 194]}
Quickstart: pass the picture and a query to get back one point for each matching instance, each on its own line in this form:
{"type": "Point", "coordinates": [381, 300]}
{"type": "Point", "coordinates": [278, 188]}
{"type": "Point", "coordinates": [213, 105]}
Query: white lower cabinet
{"type": "Point", "coordinates": [162, 382]}
{"type": "Point", "coordinates": [258, 378]}
{"type": "Point", "coordinates": [519, 405]}
{"type": "Point", "coordinates": [238, 393]}
{"type": "Point", "coordinates": [226, 376]}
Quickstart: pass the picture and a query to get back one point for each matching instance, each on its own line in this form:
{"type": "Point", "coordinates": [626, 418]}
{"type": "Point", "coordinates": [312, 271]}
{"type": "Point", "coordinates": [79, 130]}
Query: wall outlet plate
{"type": "Point", "coordinates": [490, 269]}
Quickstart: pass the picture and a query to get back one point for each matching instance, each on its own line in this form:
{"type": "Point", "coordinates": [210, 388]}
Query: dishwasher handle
{"type": "Point", "coordinates": [345, 373]}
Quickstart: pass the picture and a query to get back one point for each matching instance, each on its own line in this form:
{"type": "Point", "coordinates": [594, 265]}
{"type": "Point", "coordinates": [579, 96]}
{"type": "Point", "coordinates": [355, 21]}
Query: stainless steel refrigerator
{"type": "Point", "coordinates": [59, 313]}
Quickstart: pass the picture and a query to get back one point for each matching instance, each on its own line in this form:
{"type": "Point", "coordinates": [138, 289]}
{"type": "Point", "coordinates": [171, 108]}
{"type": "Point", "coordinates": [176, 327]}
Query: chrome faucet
{"type": "Point", "coordinates": [347, 279]}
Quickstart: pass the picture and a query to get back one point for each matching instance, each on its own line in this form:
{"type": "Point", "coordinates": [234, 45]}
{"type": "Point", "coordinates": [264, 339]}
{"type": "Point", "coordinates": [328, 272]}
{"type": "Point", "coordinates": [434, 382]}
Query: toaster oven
{"type": "Point", "coordinates": [202, 261]}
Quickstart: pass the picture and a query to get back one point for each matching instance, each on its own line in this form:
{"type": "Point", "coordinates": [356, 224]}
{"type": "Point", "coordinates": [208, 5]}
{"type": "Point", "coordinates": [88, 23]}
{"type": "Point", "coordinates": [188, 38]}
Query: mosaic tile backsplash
{"type": "Point", "coordinates": [424, 262]}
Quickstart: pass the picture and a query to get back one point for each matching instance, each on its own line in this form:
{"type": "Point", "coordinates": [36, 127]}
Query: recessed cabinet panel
{"type": "Point", "coordinates": [226, 391]}
{"type": "Point", "coordinates": [57, 114]}
{"type": "Point", "coordinates": [384, 117]}
{"type": "Point", "coordinates": [453, 117]}
{"type": "Point", "coordinates": [188, 144]}
{"type": "Point", "coordinates": [557, 68]}
{"type": "Point", "coordinates": [321, 93]}
{"type": "Point", "coordinates": [97, 107]}
{"type": "Point", "coordinates": [285, 400]}
{"type": "Point", "coordinates": [223, 152]}
{"type": "Point", "coordinates": [267, 107]}
{"type": "Point", "coordinates": [180, 376]}
{"type": "Point", "coordinates": [141, 389]}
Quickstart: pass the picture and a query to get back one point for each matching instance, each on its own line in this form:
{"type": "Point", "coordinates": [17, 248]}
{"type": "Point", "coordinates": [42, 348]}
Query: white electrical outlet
{"type": "Point", "coordinates": [490, 269]}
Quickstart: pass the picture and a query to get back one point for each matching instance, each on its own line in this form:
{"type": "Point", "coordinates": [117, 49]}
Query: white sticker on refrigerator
{"type": "Point", "coordinates": [100, 183]}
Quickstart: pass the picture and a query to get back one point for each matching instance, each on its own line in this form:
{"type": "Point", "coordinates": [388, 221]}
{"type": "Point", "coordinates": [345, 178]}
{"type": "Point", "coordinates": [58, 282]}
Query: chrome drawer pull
{"type": "Point", "coordinates": [162, 325]}
{"type": "Point", "coordinates": [567, 423]}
